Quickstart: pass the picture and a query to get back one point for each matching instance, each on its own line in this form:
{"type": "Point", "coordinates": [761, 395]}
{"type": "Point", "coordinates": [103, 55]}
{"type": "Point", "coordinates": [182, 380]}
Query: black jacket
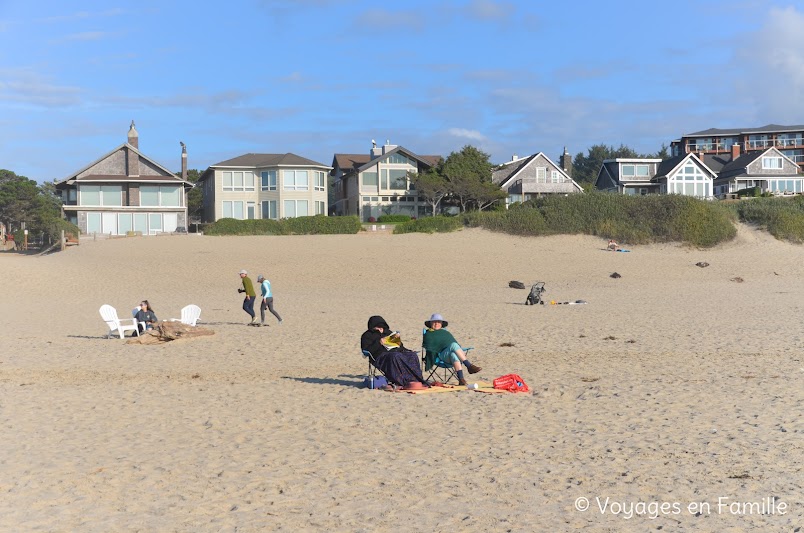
{"type": "Point", "coordinates": [370, 340]}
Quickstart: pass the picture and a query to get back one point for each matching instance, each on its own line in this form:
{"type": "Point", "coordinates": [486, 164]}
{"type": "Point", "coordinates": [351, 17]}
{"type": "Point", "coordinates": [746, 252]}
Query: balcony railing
{"type": "Point", "coordinates": [755, 144]}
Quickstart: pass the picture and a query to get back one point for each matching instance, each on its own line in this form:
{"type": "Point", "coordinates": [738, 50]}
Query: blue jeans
{"type": "Point", "coordinates": [448, 355]}
{"type": "Point", "coordinates": [248, 305]}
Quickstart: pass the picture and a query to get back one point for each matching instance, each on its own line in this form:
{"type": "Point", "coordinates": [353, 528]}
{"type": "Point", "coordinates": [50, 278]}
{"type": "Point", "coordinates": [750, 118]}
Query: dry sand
{"type": "Point", "coordinates": [672, 385]}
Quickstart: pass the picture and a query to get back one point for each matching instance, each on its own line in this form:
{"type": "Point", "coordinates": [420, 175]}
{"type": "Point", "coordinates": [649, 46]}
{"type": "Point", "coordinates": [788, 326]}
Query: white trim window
{"type": "Point", "coordinates": [690, 181]}
{"type": "Point", "coordinates": [320, 208]}
{"type": "Point", "coordinates": [771, 162]}
{"type": "Point", "coordinates": [320, 181]}
{"type": "Point", "coordinates": [233, 210]}
{"type": "Point", "coordinates": [268, 179]}
{"type": "Point", "coordinates": [541, 174]}
{"type": "Point", "coordinates": [236, 181]}
{"type": "Point", "coordinates": [631, 170]}
{"type": "Point", "coordinates": [296, 180]}
{"type": "Point", "coordinates": [101, 195]}
{"type": "Point", "coordinates": [296, 208]}
{"type": "Point", "coordinates": [554, 176]}
{"type": "Point", "coordinates": [164, 196]}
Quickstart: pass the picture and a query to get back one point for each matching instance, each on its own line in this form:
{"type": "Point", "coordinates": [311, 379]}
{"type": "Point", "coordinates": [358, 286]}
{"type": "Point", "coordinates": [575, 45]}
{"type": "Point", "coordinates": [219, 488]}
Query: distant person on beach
{"type": "Point", "coordinates": [400, 365]}
{"type": "Point", "coordinates": [267, 299]}
{"type": "Point", "coordinates": [613, 246]}
{"type": "Point", "coordinates": [248, 302]}
{"type": "Point", "coordinates": [438, 340]}
{"type": "Point", "coordinates": [146, 316]}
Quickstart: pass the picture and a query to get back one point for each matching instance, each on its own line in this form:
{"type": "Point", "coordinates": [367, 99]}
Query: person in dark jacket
{"type": "Point", "coordinates": [146, 318]}
{"type": "Point", "coordinates": [400, 365]}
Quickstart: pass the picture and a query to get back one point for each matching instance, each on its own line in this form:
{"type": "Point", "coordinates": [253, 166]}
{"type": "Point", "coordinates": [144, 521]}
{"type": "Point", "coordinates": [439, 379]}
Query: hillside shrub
{"type": "Point", "coordinates": [438, 224]}
{"type": "Point", "coordinates": [315, 225]}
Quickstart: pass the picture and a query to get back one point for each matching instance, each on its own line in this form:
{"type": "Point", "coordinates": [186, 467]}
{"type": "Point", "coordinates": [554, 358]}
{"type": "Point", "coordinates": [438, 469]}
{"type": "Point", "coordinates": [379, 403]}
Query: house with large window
{"type": "Point", "coordinates": [536, 175]}
{"type": "Point", "coordinates": [270, 186]}
{"type": "Point", "coordinates": [378, 183]}
{"type": "Point", "coordinates": [687, 175]}
{"type": "Point", "coordinates": [125, 191]}
{"type": "Point", "coordinates": [628, 176]}
{"type": "Point", "coordinates": [770, 170]}
{"type": "Point", "coordinates": [789, 140]}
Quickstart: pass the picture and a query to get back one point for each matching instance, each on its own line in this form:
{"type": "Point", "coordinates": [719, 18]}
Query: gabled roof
{"type": "Point", "coordinates": [770, 128]}
{"type": "Point", "coordinates": [168, 175]}
{"type": "Point", "coordinates": [740, 165]}
{"type": "Point", "coordinates": [505, 170]}
{"type": "Point", "coordinates": [510, 170]}
{"type": "Point", "coordinates": [268, 160]}
{"type": "Point", "coordinates": [668, 166]}
{"type": "Point", "coordinates": [359, 162]}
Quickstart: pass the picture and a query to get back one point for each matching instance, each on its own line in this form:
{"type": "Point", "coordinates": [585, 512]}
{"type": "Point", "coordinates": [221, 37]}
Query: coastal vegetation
{"type": "Point", "coordinates": [315, 225]}
{"type": "Point", "coordinates": [26, 205]}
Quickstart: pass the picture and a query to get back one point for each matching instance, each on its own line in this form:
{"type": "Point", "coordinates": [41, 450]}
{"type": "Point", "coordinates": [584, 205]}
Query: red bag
{"type": "Point", "coordinates": [511, 382]}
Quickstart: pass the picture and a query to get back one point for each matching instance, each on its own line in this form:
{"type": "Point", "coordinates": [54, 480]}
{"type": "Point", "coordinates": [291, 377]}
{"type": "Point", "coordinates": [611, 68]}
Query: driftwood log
{"type": "Point", "coordinates": [169, 331]}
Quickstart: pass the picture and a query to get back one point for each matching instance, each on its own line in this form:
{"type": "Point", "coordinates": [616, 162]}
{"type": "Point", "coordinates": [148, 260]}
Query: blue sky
{"type": "Point", "coordinates": [319, 77]}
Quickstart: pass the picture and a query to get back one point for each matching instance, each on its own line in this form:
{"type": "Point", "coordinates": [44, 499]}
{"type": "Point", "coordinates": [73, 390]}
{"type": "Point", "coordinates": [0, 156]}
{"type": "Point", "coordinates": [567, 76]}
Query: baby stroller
{"type": "Point", "coordinates": [535, 296]}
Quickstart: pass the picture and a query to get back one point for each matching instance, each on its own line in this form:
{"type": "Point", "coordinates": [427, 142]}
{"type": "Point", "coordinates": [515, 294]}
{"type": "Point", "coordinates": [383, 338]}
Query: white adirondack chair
{"type": "Point", "coordinates": [189, 315]}
{"type": "Point", "coordinates": [109, 315]}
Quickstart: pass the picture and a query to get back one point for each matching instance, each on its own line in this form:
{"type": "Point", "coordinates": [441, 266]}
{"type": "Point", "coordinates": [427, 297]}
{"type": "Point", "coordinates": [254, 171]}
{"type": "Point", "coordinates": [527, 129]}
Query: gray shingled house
{"type": "Point", "coordinates": [125, 191]}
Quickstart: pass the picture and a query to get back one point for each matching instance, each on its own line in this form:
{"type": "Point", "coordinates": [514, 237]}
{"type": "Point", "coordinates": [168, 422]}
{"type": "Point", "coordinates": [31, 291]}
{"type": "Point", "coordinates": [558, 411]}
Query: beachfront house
{"type": "Point", "coordinates": [789, 140]}
{"type": "Point", "coordinates": [377, 183]}
{"type": "Point", "coordinates": [769, 170]}
{"type": "Point", "coordinates": [270, 186]}
{"type": "Point", "coordinates": [536, 175]}
{"type": "Point", "coordinates": [687, 175]}
{"type": "Point", "coordinates": [628, 176]}
{"type": "Point", "coordinates": [125, 191]}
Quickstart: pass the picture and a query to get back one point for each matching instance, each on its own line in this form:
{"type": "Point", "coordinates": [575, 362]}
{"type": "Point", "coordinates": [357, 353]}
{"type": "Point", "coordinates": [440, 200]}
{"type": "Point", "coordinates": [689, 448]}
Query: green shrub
{"type": "Point", "coordinates": [439, 224]}
{"type": "Point", "coordinates": [781, 217]}
{"type": "Point", "coordinates": [627, 219]}
{"type": "Point", "coordinates": [390, 219]}
{"type": "Point", "coordinates": [314, 225]}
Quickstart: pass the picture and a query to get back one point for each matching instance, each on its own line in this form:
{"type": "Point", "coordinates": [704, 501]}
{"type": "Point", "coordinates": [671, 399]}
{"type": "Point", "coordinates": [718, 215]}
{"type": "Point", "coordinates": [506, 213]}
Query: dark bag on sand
{"type": "Point", "coordinates": [379, 382]}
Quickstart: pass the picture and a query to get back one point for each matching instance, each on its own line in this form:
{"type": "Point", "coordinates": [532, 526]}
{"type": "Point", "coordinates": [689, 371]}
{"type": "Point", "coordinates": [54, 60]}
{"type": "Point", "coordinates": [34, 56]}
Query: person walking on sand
{"type": "Point", "coordinates": [267, 299]}
{"type": "Point", "coordinates": [248, 303]}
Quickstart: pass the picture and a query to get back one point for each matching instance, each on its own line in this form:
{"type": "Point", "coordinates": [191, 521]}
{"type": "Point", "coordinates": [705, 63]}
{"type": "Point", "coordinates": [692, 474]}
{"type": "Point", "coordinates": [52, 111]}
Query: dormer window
{"type": "Point", "coordinates": [771, 163]}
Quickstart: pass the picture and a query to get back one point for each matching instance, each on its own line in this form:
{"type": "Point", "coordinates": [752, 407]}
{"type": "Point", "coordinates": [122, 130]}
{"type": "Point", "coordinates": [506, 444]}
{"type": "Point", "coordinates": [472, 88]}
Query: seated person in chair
{"type": "Point", "coordinates": [145, 315]}
{"type": "Point", "coordinates": [440, 341]}
{"type": "Point", "coordinates": [400, 365]}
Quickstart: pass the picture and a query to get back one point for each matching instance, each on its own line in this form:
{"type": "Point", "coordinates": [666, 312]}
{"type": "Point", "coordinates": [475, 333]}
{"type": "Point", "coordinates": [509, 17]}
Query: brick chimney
{"type": "Point", "coordinates": [735, 151]}
{"type": "Point", "coordinates": [133, 137]}
{"type": "Point", "coordinates": [183, 161]}
{"type": "Point", "coordinates": [566, 162]}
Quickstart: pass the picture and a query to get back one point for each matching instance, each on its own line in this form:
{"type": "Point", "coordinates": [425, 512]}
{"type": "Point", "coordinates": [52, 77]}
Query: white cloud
{"type": "Point", "coordinates": [86, 36]}
{"type": "Point", "coordinates": [488, 10]}
{"type": "Point", "coordinates": [467, 134]}
{"type": "Point", "coordinates": [769, 68]}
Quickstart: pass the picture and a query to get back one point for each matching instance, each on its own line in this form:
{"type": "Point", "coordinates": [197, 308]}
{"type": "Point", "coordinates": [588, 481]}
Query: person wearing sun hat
{"type": "Point", "coordinates": [440, 341]}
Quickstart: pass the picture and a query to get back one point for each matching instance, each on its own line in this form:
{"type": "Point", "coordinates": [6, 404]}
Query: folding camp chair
{"type": "Point", "coordinates": [432, 363]}
{"type": "Point", "coordinates": [372, 369]}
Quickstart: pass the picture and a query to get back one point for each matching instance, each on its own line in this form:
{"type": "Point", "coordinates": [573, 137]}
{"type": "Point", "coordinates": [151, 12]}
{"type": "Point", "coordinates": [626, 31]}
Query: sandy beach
{"type": "Point", "coordinates": [674, 384]}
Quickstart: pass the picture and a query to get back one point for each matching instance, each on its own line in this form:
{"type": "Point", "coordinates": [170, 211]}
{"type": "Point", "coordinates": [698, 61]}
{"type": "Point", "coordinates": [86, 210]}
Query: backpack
{"type": "Point", "coordinates": [511, 382]}
{"type": "Point", "coordinates": [378, 382]}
